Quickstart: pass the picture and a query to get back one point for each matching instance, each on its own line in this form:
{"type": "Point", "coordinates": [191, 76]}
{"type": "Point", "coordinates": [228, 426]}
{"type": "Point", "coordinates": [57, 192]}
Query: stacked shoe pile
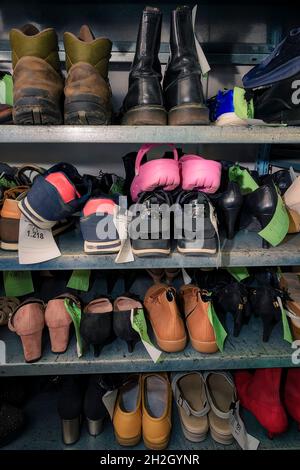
{"type": "Point", "coordinates": [271, 94]}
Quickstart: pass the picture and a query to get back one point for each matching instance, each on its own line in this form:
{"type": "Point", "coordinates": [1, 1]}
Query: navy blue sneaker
{"type": "Point", "coordinates": [55, 196]}
{"type": "Point", "coordinates": [282, 63]}
{"type": "Point", "coordinates": [98, 227]}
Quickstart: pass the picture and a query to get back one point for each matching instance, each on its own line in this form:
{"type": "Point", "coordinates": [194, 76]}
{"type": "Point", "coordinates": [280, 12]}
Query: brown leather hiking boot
{"type": "Point", "coordinates": [165, 318]}
{"type": "Point", "coordinates": [87, 90]}
{"type": "Point", "coordinates": [38, 83]}
{"type": "Point", "coordinates": [200, 330]}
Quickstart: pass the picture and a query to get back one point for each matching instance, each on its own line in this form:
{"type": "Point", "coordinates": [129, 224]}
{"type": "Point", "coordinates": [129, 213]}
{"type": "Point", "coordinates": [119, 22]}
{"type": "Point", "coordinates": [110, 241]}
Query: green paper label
{"type": "Point", "coordinates": [17, 283]}
{"type": "Point", "coordinates": [139, 324]}
{"type": "Point", "coordinates": [287, 335]}
{"type": "Point", "coordinates": [243, 109]}
{"type": "Point", "coordinates": [75, 313]}
{"type": "Point", "coordinates": [278, 227]}
{"type": "Point", "coordinates": [117, 187]}
{"type": "Point", "coordinates": [7, 184]}
{"type": "Point", "coordinates": [239, 273]}
{"type": "Point", "coordinates": [8, 80]}
{"type": "Point", "coordinates": [243, 179]}
{"type": "Point", "coordinates": [220, 333]}
{"type": "Point", "coordinates": [80, 280]}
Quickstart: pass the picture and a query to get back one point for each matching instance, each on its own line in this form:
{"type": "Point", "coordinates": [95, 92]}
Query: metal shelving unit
{"type": "Point", "coordinates": [244, 250]}
{"type": "Point", "coordinates": [48, 436]}
{"type": "Point", "coordinates": [155, 134]}
{"type": "Point", "coordinates": [246, 351]}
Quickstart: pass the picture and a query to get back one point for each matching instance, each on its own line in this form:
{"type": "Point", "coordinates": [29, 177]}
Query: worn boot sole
{"type": "Point", "coordinates": [35, 108]}
{"type": "Point", "coordinates": [189, 115]}
{"type": "Point", "coordinates": [145, 116]}
{"type": "Point", "coordinates": [86, 110]}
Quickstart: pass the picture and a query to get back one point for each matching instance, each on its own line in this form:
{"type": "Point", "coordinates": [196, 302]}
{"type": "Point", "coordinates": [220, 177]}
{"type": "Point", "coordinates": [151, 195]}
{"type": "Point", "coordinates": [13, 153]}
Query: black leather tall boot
{"type": "Point", "coordinates": [182, 85]}
{"type": "Point", "coordinates": [143, 104]}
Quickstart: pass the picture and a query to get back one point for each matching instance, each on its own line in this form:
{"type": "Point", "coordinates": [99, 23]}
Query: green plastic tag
{"type": "Point", "coordinates": [7, 184]}
{"type": "Point", "coordinates": [117, 187]}
{"type": "Point", "coordinates": [278, 227]}
{"type": "Point", "coordinates": [239, 273]}
{"type": "Point", "coordinates": [80, 280]}
{"type": "Point", "coordinates": [243, 179]}
{"type": "Point", "coordinates": [8, 80]}
{"type": "Point", "coordinates": [287, 335]}
{"type": "Point", "coordinates": [17, 283]}
{"type": "Point", "coordinates": [217, 326]}
{"type": "Point", "coordinates": [75, 313]}
{"type": "Point", "coordinates": [243, 109]}
{"type": "Point", "coordinates": [139, 324]}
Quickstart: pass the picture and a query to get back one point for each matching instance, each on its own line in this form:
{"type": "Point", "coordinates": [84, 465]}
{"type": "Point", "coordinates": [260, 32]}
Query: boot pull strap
{"type": "Point", "coordinates": [145, 149]}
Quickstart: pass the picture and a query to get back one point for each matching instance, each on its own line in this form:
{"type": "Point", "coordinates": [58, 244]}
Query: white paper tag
{"type": "Point", "coordinates": [245, 440]}
{"type": "Point", "coordinates": [205, 68]}
{"type": "Point", "coordinates": [2, 353]}
{"type": "Point", "coordinates": [295, 318]}
{"type": "Point", "coordinates": [186, 278]}
{"type": "Point", "coordinates": [109, 401]}
{"type": "Point", "coordinates": [121, 220]}
{"type": "Point", "coordinates": [153, 352]}
{"type": "Point", "coordinates": [293, 174]}
{"type": "Point", "coordinates": [35, 245]}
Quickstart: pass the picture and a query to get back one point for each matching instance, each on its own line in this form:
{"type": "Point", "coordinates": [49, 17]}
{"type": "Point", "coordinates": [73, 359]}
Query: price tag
{"type": "Point", "coordinates": [287, 335]}
{"type": "Point", "coordinates": [109, 401]}
{"type": "Point", "coordinates": [243, 179]}
{"type": "Point", "coordinates": [278, 226]}
{"type": "Point", "coordinates": [35, 245]}
{"type": "Point", "coordinates": [239, 273]}
{"type": "Point", "coordinates": [80, 280]}
{"type": "Point", "coordinates": [245, 440]}
{"type": "Point", "coordinates": [139, 324]}
{"type": "Point", "coordinates": [186, 278]}
{"type": "Point", "coordinates": [219, 330]}
{"type": "Point", "coordinates": [2, 353]}
{"type": "Point", "coordinates": [17, 283]}
{"type": "Point", "coordinates": [75, 313]}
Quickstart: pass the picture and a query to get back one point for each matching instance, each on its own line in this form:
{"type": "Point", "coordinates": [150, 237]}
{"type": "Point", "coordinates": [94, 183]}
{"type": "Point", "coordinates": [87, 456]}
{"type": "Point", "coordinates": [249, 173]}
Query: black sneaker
{"type": "Point", "coordinates": [149, 229]}
{"type": "Point", "coordinates": [197, 223]}
{"type": "Point", "coordinates": [282, 63]}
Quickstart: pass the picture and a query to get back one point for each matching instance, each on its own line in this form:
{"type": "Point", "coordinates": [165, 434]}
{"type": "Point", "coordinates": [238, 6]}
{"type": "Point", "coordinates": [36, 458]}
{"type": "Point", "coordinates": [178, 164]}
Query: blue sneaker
{"type": "Point", "coordinates": [55, 196]}
{"type": "Point", "coordinates": [282, 63]}
{"type": "Point", "coordinates": [231, 108]}
{"type": "Point", "coordinates": [98, 228]}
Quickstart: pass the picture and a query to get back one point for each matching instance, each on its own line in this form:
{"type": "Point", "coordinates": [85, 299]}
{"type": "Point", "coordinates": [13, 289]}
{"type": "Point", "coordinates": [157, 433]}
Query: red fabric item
{"type": "Point", "coordinates": [66, 189]}
{"type": "Point", "coordinates": [259, 393]}
{"type": "Point", "coordinates": [100, 206]}
{"type": "Point", "coordinates": [292, 394]}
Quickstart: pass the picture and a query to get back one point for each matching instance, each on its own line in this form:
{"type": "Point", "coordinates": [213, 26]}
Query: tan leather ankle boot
{"type": "Point", "coordinates": [199, 327]}
{"type": "Point", "coordinates": [38, 83]}
{"type": "Point", "coordinates": [87, 90]}
{"type": "Point", "coordinates": [165, 318]}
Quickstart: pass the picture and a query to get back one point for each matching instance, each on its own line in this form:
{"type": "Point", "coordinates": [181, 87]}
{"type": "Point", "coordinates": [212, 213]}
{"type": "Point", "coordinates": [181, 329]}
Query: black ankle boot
{"type": "Point", "coordinates": [94, 409]}
{"type": "Point", "coordinates": [69, 408]}
{"type": "Point", "coordinates": [96, 327]}
{"type": "Point", "coordinates": [122, 323]}
{"type": "Point", "coordinates": [228, 205]}
{"type": "Point", "coordinates": [264, 291]}
{"type": "Point", "coordinates": [182, 81]}
{"type": "Point", "coordinates": [261, 205]}
{"type": "Point", "coordinates": [11, 423]}
{"type": "Point", "coordinates": [144, 104]}
{"type": "Point", "coordinates": [232, 298]}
